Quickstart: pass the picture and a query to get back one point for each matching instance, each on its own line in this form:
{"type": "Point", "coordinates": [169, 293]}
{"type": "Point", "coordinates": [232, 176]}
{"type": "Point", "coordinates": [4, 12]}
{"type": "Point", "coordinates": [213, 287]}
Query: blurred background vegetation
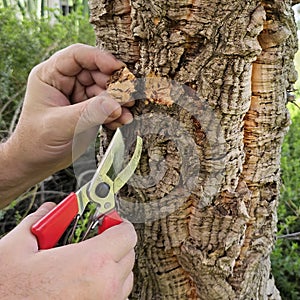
{"type": "Point", "coordinates": [25, 40]}
{"type": "Point", "coordinates": [29, 33]}
{"type": "Point", "coordinates": [286, 255]}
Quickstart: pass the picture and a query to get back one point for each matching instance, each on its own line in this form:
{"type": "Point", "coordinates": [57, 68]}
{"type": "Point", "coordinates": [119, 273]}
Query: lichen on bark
{"type": "Point", "coordinates": [210, 81]}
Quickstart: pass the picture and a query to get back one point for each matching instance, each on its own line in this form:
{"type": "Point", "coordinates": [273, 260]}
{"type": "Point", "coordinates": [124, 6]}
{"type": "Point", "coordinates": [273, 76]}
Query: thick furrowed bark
{"type": "Point", "coordinates": [265, 125]}
{"type": "Point", "coordinates": [211, 93]}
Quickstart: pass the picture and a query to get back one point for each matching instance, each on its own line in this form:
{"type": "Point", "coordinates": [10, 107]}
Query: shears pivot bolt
{"type": "Point", "coordinates": [102, 189]}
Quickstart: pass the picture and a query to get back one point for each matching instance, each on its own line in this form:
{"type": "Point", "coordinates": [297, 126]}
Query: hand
{"type": "Point", "coordinates": [98, 268]}
{"type": "Point", "coordinates": [65, 101]}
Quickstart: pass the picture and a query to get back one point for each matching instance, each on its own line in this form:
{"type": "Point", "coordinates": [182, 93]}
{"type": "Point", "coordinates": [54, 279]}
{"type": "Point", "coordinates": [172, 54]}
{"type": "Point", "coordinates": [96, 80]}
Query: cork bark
{"type": "Point", "coordinates": [210, 80]}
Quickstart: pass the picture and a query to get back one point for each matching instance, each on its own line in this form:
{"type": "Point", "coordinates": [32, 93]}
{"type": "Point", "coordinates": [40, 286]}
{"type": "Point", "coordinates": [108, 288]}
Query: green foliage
{"type": "Point", "coordinates": [286, 255]}
{"type": "Point", "coordinates": [24, 42]}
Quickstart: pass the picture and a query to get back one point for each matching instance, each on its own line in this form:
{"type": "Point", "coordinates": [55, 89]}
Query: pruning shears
{"type": "Point", "coordinates": [108, 179]}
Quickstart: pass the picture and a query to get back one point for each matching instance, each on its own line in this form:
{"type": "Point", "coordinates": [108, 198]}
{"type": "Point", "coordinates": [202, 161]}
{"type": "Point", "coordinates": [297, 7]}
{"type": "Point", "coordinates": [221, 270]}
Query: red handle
{"type": "Point", "coordinates": [51, 227]}
{"type": "Point", "coordinates": [109, 220]}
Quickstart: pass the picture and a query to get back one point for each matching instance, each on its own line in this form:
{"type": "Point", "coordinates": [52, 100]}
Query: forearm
{"type": "Point", "coordinates": [15, 176]}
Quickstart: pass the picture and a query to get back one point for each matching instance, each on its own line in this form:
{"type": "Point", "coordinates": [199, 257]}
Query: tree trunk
{"type": "Point", "coordinates": [211, 89]}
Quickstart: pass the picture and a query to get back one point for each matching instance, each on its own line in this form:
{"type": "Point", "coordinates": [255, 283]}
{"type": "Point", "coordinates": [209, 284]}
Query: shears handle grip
{"type": "Point", "coordinates": [109, 220]}
{"type": "Point", "coordinates": [51, 227]}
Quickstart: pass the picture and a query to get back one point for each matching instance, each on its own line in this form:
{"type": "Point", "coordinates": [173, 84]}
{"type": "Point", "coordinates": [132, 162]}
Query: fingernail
{"type": "Point", "coordinates": [127, 118]}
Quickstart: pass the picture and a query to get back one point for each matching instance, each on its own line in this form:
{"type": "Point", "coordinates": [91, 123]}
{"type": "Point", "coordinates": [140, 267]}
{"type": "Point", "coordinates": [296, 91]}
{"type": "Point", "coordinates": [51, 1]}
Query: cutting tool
{"type": "Point", "coordinates": [108, 179]}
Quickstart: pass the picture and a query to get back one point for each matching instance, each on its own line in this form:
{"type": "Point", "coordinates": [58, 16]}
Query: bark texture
{"type": "Point", "coordinates": [211, 80]}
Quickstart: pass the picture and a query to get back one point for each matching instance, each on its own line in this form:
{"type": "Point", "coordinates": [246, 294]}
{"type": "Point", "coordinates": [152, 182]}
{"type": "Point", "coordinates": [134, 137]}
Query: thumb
{"type": "Point", "coordinates": [21, 234]}
{"type": "Point", "coordinates": [95, 111]}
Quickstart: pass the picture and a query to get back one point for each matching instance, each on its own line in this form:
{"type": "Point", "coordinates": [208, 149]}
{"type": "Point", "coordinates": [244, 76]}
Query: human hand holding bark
{"type": "Point", "coordinates": [65, 101]}
{"type": "Point", "coordinates": [98, 268]}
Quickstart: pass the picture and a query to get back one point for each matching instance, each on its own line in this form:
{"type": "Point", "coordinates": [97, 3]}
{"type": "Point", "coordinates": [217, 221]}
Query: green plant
{"type": "Point", "coordinates": [286, 255]}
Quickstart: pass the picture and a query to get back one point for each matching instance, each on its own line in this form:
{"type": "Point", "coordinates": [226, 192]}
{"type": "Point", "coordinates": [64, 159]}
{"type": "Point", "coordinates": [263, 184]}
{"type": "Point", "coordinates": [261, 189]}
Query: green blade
{"type": "Point", "coordinates": [128, 171]}
{"type": "Point", "coordinates": [113, 158]}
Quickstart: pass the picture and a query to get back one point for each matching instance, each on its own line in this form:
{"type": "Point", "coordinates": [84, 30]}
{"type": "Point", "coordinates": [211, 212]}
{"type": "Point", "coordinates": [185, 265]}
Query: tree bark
{"type": "Point", "coordinates": [211, 83]}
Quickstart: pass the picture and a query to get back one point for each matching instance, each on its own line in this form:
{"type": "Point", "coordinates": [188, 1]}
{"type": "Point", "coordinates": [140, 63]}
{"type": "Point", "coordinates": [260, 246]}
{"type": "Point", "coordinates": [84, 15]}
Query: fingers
{"type": "Point", "coordinates": [71, 60]}
{"type": "Point", "coordinates": [76, 68]}
{"type": "Point", "coordinates": [100, 78]}
{"type": "Point", "coordinates": [107, 258]}
{"type": "Point", "coordinates": [71, 121]}
{"type": "Point", "coordinates": [117, 241]}
{"type": "Point", "coordinates": [95, 111]}
{"type": "Point", "coordinates": [121, 239]}
{"type": "Point", "coordinates": [125, 118]}
{"type": "Point", "coordinates": [126, 266]}
{"type": "Point", "coordinates": [38, 214]}
{"type": "Point", "coordinates": [127, 263]}
{"type": "Point", "coordinates": [22, 234]}
{"type": "Point", "coordinates": [88, 85]}
{"type": "Point", "coordinates": [129, 104]}
{"type": "Point", "coordinates": [128, 285]}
